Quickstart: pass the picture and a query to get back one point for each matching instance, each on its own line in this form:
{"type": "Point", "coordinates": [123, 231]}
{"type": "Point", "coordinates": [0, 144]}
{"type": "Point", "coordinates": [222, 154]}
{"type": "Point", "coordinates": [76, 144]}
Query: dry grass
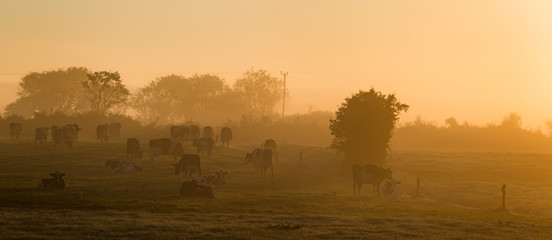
{"type": "Point", "coordinates": [311, 199]}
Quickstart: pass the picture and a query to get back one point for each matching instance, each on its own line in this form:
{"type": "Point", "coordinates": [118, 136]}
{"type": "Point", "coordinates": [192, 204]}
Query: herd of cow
{"type": "Point", "coordinates": [189, 164]}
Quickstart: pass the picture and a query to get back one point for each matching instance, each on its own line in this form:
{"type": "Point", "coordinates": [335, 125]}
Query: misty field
{"type": "Point", "coordinates": [312, 198]}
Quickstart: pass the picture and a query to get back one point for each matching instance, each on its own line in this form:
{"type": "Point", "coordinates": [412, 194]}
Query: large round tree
{"type": "Point", "coordinates": [363, 126]}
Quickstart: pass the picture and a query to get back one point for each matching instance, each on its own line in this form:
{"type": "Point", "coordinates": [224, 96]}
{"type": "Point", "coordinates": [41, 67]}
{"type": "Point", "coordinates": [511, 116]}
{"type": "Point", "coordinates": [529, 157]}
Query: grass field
{"type": "Point", "coordinates": [311, 199]}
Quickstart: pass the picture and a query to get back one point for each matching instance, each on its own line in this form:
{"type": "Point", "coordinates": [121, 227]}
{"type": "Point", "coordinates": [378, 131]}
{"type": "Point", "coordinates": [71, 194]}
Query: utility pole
{"type": "Point", "coordinates": [284, 94]}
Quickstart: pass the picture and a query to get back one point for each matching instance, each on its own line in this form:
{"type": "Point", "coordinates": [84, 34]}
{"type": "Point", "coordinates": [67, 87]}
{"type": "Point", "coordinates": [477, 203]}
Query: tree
{"type": "Point", "coordinates": [105, 91]}
{"type": "Point", "coordinates": [258, 92]}
{"type": "Point", "coordinates": [51, 91]}
{"type": "Point", "coordinates": [175, 98]}
{"type": "Point", "coordinates": [363, 126]}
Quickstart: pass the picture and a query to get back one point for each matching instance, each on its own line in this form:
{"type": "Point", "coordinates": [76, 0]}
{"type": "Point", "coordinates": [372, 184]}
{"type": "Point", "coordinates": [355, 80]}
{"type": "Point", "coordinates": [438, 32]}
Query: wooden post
{"type": "Point", "coordinates": [504, 196]}
{"type": "Point", "coordinates": [418, 187]}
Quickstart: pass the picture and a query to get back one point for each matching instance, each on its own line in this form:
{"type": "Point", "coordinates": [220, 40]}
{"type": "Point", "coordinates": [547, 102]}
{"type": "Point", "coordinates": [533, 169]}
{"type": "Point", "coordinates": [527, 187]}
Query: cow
{"type": "Point", "coordinates": [369, 174]}
{"type": "Point", "coordinates": [179, 133]}
{"type": "Point", "coordinates": [73, 132]}
{"type": "Point", "coordinates": [15, 131]}
{"type": "Point", "coordinates": [192, 189]}
{"type": "Point", "coordinates": [261, 159]}
{"type": "Point", "coordinates": [165, 146]}
{"type": "Point", "coordinates": [270, 144]}
{"type": "Point", "coordinates": [204, 146]}
{"type": "Point", "coordinates": [388, 189]}
{"type": "Point", "coordinates": [62, 136]}
{"type": "Point", "coordinates": [57, 181]}
{"type": "Point", "coordinates": [226, 136]}
{"type": "Point", "coordinates": [114, 130]}
{"type": "Point", "coordinates": [101, 133]}
{"type": "Point", "coordinates": [127, 167]}
{"type": "Point", "coordinates": [112, 164]}
{"type": "Point", "coordinates": [212, 180]}
{"type": "Point", "coordinates": [188, 164]}
{"type": "Point", "coordinates": [208, 132]}
{"type": "Point", "coordinates": [193, 134]}
{"type": "Point", "coordinates": [41, 135]}
{"type": "Point", "coordinates": [133, 149]}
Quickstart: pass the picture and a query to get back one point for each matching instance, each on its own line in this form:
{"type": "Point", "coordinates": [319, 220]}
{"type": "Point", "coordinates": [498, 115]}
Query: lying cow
{"type": "Point", "coordinates": [122, 166]}
{"type": "Point", "coordinates": [57, 181]}
{"type": "Point", "coordinates": [369, 174]}
{"type": "Point", "coordinates": [388, 189]}
{"type": "Point", "coordinates": [212, 180]}
{"type": "Point", "coordinates": [165, 146]}
{"type": "Point", "coordinates": [127, 167]}
{"type": "Point", "coordinates": [188, 164]}
{"type": "Point", "coordinates": [193, 189]}
{"type": "Point", "coordinates": [133, 149]}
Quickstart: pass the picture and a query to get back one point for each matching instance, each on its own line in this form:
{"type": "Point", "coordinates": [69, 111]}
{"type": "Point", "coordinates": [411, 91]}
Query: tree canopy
{"type": "Point", "coordinates": [51, 91]}
{"type": "Point", "coordinates": [105, 91]}
{"type": "Point", "coordinates": [258, 92]}
{"type": "Point", "coordinates": [363, 125]}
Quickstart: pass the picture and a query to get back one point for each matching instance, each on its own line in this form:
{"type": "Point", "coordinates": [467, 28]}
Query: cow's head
{"type": "Point", "coordinates": [219, 179]}
{"type": "Point", "coordinates": [58, 176]}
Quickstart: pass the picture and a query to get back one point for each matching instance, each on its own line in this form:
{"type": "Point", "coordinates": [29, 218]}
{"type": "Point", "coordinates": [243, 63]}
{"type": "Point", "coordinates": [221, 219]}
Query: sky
{"type": "Point", "coordinates": [477, 61]}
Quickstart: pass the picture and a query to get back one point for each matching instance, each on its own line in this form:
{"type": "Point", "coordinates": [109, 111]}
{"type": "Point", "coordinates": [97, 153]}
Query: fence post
{"type": "Point", "coordinates": [301, 159]}
{"type": "Point", "coordinates": [418, 187]}
{"type": "Point", "coordinates": [504, 196]}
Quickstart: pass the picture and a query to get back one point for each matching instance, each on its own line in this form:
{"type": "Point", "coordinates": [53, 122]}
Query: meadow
{"type": "Point", "coordinates": [311, 198]}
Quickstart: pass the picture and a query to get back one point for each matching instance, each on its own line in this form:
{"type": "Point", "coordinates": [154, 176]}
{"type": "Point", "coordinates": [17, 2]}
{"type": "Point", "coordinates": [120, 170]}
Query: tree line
{"type": "Point", "coordinates": [165, 100]}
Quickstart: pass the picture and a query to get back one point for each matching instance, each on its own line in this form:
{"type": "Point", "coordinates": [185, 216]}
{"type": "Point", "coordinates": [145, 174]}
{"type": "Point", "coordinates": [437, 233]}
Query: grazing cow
{"type": "Point", "coordinates": [261, 160]}
{"type": "Point", "coordinates": [127, 167]}
{"type": "Point", "coordinates": [55, 182]}
{"type": "Point", "coordinates": [192, 189]}
{"type": "Point", "coordinates": [101, 133]}
{"type": "Point", "coordinates": [388, 189]}
{"type": "Point", "coordinates": [41, 135]}
{"type": "Point", "coordinates": [369, 174]}
{"type": "Point", "coordinates": [208, 132]}
{"type": "Point", "coordinates": [15, 131]}
{"type": "Point", "coordinates": [61, 136]}
{"type": "Point", "coordinates": [114, 130]}
{"type": "Point", "coordinates": [226, 136]}
{"type": "Point", "coordinates": [270, 144]}
{"type": "Point", "coordinates": [204, 145]}
{"type": "Point", "coordinates": [188, 164]}
{"type": "Point", "coordinates": [179, 133]}
{"type": "Point", "coordinates": [133, 149]}
{"type": "Point", "coordinates": [212, 180]}
{"type": "Point", "coordinates": [165, 146]}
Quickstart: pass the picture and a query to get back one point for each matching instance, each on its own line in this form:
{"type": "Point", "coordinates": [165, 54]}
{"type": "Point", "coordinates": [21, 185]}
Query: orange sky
{"type": "Point", "coordinates": [473, 60]}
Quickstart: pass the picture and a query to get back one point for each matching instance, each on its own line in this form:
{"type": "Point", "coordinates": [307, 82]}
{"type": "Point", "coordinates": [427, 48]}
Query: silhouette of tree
{"type": "Point", "coordinates": [105, 91]}
{"type": "Point", "coordinates": [51, 91]}
{"type": "Point", "coordinates": [258, 92]}
{"type": "Point", "coordinates": [175, 98]}
{"type": "Point", "coordinates": [512, 121]}
{"type": "Point", "coordinates": [363, 126]}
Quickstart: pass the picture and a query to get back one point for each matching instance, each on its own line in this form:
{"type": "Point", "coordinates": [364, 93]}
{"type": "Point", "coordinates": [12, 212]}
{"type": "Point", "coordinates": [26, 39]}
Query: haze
{"type": "Point", "coordinates": [476, 61]}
